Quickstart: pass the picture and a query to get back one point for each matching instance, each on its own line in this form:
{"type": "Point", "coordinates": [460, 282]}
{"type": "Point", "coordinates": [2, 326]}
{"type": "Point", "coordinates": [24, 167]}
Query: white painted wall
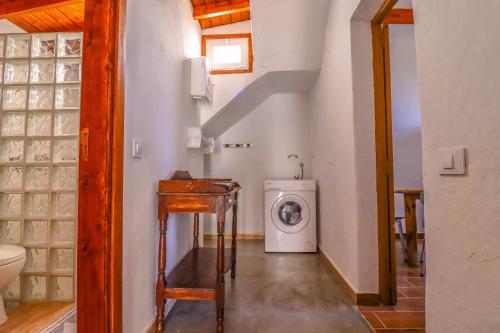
{"type": "Point", "coordinates": [342, 132]}
{"type": "Point", "coordinates": [406, 126]}
{"type": "Point", "coordinates": [287, 36]}
{"type": "Point", "coordinates": [7, 27]}
{"type": "Point", "coordinates": [277, 128]}
{"type": "Point", "coordinates": [459, 78]}
{"type": "Point", "coordinates": [160, 37]}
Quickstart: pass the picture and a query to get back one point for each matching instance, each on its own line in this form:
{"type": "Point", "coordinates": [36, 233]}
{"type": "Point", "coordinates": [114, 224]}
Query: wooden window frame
{"type": "Point", "coordinates": [205, 38]}
{"type": "Point", "coordinates": [384, 146]}
{"type": "Point", "coordinates": [100, 186]}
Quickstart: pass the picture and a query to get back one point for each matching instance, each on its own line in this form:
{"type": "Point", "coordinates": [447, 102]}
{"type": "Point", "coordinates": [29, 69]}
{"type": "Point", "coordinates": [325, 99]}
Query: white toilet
{"type": "Point", "coordinates": [12, 259]}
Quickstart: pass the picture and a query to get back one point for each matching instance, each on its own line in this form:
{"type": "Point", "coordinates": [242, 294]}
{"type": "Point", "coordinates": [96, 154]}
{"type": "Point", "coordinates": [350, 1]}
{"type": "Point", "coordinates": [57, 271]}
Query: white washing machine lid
{"type": "Point", "coordinates": [290, 213]}
{"type": "Point", "coordinates": [290, 185]}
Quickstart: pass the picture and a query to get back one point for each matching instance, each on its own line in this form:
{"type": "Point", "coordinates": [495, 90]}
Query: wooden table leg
{"type": "Point", "coordinates": [235, 234]}
{"type": "Point", "coordinates": [411, 228]}
{"type": "Point", "coordinates": [161, 282]}
{"type": "Point", "coordinates": [219, 301]}
{"type": "Point", "coordinates": [196, 231]}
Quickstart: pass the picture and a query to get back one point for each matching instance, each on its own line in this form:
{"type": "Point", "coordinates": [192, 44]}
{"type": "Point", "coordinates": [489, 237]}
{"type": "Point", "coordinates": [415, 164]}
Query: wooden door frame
{"type": "Point", "coordinates": [384, 148]}
{"type": "Point", "coordinates": [99, 244]}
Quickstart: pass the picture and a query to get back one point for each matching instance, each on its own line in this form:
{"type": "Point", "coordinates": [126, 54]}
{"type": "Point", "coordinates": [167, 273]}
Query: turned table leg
{"type": "Point", "coordinates": [196, 231]}
{"type": "Point", "coordinates": [221, 217]}
{"type": "Point", "coordinates": [235, 234]}
{"type": "Point", "coordinates": [161, 282]}
{"type": "Point", "coordinates": [411, 228]}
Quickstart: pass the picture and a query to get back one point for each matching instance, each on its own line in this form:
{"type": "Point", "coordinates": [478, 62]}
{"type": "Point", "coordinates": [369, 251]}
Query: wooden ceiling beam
{"type": "Point", "coordinates": [399, 16]}
{"type": "Point", "coordinates": [219, 9]}
{"type": "Point", "coordinates": [26, 6]}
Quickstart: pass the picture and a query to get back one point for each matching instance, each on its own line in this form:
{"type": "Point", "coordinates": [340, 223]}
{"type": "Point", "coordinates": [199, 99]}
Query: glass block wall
{"type": "Point", "coordinates": [40, 78]}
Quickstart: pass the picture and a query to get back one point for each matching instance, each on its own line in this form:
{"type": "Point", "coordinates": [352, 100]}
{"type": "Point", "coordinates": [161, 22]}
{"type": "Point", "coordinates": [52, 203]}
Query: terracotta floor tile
{"type": "Point", "coordinates": [376, 308]}
{"type": "Point", "coordinates": [400, 330]}
{"type": "Point", "coordinates": [413, 291]}
{"type": "Point", "coordinates": [411, 304]}
{"type": "Point", "coordinates": [403, 282]}
{"type": "Point", "coordinates": [372, 318]}
{"type": "Point", "coordinates": [415, 281]}
{"type": "Point", "coordinates": [402, 319]}
{"type": "Point", "coordinates": [408, 315]}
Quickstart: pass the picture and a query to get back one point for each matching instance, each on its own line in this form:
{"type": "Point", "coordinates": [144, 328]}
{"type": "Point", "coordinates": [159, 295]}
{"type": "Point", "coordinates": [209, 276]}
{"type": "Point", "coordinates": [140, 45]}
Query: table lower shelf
{"type": "Point", "coordinates": [195, 277]}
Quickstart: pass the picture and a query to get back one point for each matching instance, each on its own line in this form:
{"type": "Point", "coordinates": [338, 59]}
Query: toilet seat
{"type": "Point", "coordinates": [11, 253]}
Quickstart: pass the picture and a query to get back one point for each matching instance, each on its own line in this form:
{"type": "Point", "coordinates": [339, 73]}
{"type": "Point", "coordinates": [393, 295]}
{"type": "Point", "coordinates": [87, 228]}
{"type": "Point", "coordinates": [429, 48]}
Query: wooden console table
{"type": "Point", "coordinates": [411, 195]}
{"type": "Point", "coordinates": [200, 274]}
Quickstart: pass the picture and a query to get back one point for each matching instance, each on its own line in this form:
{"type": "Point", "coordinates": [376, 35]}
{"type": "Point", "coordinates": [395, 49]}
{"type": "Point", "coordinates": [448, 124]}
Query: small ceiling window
{"type": "Point", "coordinates": [228, 54]}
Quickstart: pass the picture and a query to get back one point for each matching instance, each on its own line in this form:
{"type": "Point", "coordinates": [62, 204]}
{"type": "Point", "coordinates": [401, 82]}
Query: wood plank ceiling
{"type": "Point", "coordinates": [213, 13]}
{"type": "Point", "coordinates": [63, 15]}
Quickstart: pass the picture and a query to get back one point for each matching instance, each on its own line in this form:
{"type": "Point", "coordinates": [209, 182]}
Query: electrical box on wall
{"type": "Point", "coordinates": [201, 80]}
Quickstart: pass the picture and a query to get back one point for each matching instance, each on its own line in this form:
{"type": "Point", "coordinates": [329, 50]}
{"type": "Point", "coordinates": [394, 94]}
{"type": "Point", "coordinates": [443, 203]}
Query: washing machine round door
{"type": "Point", "coordinates": [290, 213]}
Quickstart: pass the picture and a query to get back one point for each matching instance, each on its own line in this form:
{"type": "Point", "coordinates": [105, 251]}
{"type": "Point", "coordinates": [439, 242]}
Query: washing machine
{"type": "Point", "coordinates": [290, 215]}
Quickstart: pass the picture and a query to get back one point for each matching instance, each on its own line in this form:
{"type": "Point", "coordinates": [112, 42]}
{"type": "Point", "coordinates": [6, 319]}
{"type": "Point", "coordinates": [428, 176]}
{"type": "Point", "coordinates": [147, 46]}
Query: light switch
{"type": "Point", "coordinates": [136, 148]}
{"type": "Point", "coordinates": [447, 161]}
{"type": "Point", "coordinates": [452, 161]}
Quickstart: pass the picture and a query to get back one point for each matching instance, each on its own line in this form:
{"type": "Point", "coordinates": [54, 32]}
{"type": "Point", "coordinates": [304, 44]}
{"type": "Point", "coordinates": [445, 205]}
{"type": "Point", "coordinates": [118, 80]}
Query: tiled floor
{"type": "Point", "coordinates": [282, 292]}
{"type": "Point", "coordinates": [408, 316]}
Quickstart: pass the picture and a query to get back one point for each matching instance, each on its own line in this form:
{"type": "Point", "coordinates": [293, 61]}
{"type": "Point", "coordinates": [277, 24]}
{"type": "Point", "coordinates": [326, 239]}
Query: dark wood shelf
{"type": "Point", "coordinates": [195, 276]}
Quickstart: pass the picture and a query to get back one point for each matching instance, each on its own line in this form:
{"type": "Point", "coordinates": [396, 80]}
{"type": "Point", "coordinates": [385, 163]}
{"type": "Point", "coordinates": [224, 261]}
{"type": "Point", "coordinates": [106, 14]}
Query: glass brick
{"type": "Point", "coordinates": [65, 150]}
{"type": "Point", "coordinates": [37, 178]}
{"type": "Point", "coordinates": [42, 71]}
{"type": "Point", "coordinates": [11, 151]}
{"type": "Point", "coordinates": [37, 204]}
{"type": "Point", "coordinates": [34, 287]}
{"type": "Point", "coordinates": [63, 232]}
{"type": "Point", "coordinates": [62, 288]}
{"type": "Point", "coordinates": [62, 260]}
{"type": "Point", "coordinates": [36, 260]}
{"type": "Point", "coordinates": [15, 98]}
{"type": "Point", "coordinates": [67, 123]}
{"type": "Point", "coordinates": [2, 46]}
{"type": "Point", "coordinates": [69, 71]}
{"type": "Point", "coordinates": [35, 232]}
{"type": "Point", "coordinates": [13, 291]}
{"type": "Point", "coordinates": [38, 151]}
{"type": "Point", "coordinates": [18, 46]}
{"type": "Point", "coordinates": [11, 178]}
{"type": "Point", "coordinates": [11, 305]}
{"type": "Point", "coordinates": [13, 124]}
{"type": "Point", "coordinates": [39, 124]}
{"type": "Point", "coordinates": [69, 45]}
{"type": "Point", "coordinates": [16, 72]}
{"type": "Point", "coordinates": [43, 45]}
{"type": "Point", "coordinates": [10, 204]}
{"type": "Point", "coordinates": [68, 97]}
{"type": "Point", "coordinates": [41, 98]}
{"type": "Point", "coordinates": [64, 205]}
{"type": "Point", "coordinates": [10, 232]}
{"type": "Point", "coordinates": [64, 178]}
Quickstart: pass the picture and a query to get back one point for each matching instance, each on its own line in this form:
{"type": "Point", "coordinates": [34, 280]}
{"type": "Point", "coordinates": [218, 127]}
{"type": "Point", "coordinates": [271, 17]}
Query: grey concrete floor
{"type": "Point", "coordinates": [284, 293]}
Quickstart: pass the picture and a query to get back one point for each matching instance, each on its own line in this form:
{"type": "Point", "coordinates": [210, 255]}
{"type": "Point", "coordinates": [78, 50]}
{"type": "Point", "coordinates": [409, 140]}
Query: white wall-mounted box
{"type": "Point", "coordinates": [201, 80]}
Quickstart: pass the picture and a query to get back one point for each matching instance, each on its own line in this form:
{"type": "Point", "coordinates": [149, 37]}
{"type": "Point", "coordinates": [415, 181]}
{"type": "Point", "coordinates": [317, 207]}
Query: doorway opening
{"type": "Point", "coordinates": [61, 161]}
{"type": "Point", "coordinates": [399, 166]}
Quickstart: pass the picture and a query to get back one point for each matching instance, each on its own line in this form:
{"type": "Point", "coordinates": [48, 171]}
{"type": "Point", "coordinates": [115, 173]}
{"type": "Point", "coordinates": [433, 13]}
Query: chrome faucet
{"type": "Point", "coordinates": [301, 164]}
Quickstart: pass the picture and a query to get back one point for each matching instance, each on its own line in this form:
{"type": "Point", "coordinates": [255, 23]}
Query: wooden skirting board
{"type": "Point", "coordinates": [239, 236]}
{"type": "Point", "coordinates": [357, 298]}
